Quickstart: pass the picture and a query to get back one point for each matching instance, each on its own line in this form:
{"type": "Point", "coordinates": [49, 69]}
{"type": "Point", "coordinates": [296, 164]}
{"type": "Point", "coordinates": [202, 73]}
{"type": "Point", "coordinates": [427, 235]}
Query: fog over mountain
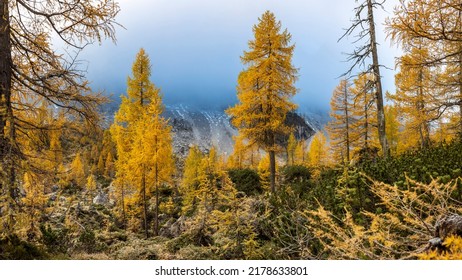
{"type": "Point", "coordinates": [210, 126]}
{"type": "Point", "coordinates": [195, 47]}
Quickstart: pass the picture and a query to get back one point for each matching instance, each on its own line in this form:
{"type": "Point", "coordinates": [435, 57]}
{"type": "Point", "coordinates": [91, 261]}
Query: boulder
{"type": "Point", "coordinates": [101, 199]}
{"type": "Point", "coordinates": [447, 225]}
{"type": "Point", "coordinates": [173, 228]}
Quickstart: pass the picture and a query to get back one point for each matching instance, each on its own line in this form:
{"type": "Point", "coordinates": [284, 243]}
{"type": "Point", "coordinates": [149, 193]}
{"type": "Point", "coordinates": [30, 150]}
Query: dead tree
{"type": "Point", "coordinates": [364, 24]}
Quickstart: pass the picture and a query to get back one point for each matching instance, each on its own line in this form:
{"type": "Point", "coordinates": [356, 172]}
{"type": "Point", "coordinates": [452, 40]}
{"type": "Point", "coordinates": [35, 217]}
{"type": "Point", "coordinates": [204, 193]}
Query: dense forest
{"type": "Point", "coordinates": [382, 179]}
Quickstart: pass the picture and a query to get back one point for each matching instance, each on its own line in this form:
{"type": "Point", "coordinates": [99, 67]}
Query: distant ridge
{"type": "Point", "coordinates": [207, 127]}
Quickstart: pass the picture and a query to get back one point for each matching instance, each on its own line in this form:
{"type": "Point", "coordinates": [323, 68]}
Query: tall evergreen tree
{"type": "Point", "coordinates": [393, 129]}
{"type": "Point", "coordinates": [364, 132]}
{"type": "Point", "coordinates": [342, 120]}
{"type": "Point", "coordinates": [143, 139]}
{"type": "Point", "coordinates": [291, 147]}
{"type": "Point", "coordinates": [238, 157]}
{"type": "Point", "coordinates": [434, 26]}
{"type": "Point", "coordinates": [190, 180]}
{"type": "Point", "coordinates": [265, 88]}
{"type": "Point", "coordinates": [31, 71]}
{"type": "Point", "coordinates": [317, 152]}
{"type": "Point", "coordinates": [77, 172]}
{"type": "Point", "coordinates": [416, 96]}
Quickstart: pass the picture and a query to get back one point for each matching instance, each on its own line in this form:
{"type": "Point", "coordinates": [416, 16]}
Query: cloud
{"type": "Point", "coordinates": [195, 46]}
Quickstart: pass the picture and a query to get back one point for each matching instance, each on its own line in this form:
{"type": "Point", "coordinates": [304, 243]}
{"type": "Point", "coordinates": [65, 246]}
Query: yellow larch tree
{"type": "Point", "coordinates": [39, 174]}
{"type": "Point", "coordinates": [265, 88]}
{"type": "Point", "coordinates": [238, 157]}
{"type": "Point", "coordinates": [208, 179]}
{"type": "Point", "coordinates": [56, 150]}
{"type": "Point", "coordinates": [300, 152]}
{"type": "Point", "coordinates": [123, 190]}
{"type": "Point", "coordinates": [245, 153]}
{"type": "Point", "coordinates": [91, 186]}
{"type": "Point", "coordinates": [317, 154]}
{"type": "Point", "coordinates": [43, 147]}
{"type": "Point", "coordinates": [105, 151]}
{"type": "Point", "coordinates": [143, 140]}
{"type": "Point", "coordinates": [364, 131]}
{"type": "Point", "coordinates": [152, 155]}
{"type": "Point", "coordinates": [291, 148]}
{"type": "Point", "coordinates": [417, 95]}
{"type": "Point", "coordinates": [34, 202]}
{"type": "Point", "coordinates": [124, 195]}
{"type": "Point", "coordinates": [339, 128]}
{"type": "Point", "coordinates": [443, 131]}
{"type": "Point", "coordinates": [190, 180]}
{"type": "Point", "coordinates": [263, 171]}
{"type": "Point", "coordinates": [100, 167]}
{"type": "Point", "coordinates": [213, 194]}
{"type": "Point", "coordinates": [253, 155]}
{"type": "Point", "coordinates": [31, 70]}
{"type": "Point", "coordinates": [77, 171]}
{"type": "Point", "coordinates": [109, 166]}
{"type": "Point", "coordinates": [433, 26]}
{"type": "Point", "coordinates": [393, 129]}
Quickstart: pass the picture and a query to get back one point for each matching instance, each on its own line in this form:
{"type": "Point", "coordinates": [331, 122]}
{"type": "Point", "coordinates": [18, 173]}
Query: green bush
{"type": "Point", "coordinates": [339, 188]}
{"type": "Point", "coordinates": [87, 240]}
{"type": "Point", "coordinates": [56, 240]}
{"type": "Point", "coordinates": [13, 248]}
{"type": "Point", "coordinates": [246, 180]}
{"type": "Point", "coordinates": [298, 178]}
{"type": "Point", "coordinates": [442, 161]}
{"type": "Point", "coordinates": [296, 174]}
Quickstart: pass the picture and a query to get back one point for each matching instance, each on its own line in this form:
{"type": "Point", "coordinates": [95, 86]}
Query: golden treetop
{"type": "Point", "coordinates": [266, 86]}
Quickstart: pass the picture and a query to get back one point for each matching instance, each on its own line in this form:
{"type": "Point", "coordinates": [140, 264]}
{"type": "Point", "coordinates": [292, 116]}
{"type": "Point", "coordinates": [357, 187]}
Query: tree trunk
{"type": "Point", "coordinates": [156, 222]}
{"type": "Point", "coordinates": [272, 156]}
{"type": "Point", "coordinates": [156, 182]}
{"type": "Point", "coordinates": [424, 127]}
{"type": "Point", "coordinates": [7, 178]}
{"type": "Point", "coordinates": [124, 217]}
{"type": "Point", "coordinates": [347, 123]}
{"type": "Point", "coordinates": [378, 82]}
{"type": "Point", "coordinates": [366, 122]}
{"type": "Point", "coordinates": [145, 207]}
{"type": "Point", "coordinates": [5, 75]}
{"type": "Point", "coordinates": [423, 124]}
{"type": "Point", "coordinates": [460, 94]}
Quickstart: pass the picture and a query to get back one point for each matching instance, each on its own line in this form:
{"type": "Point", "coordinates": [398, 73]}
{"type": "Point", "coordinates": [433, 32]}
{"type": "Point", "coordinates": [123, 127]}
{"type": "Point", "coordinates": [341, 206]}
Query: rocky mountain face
{"type": "Point", "coordinates": [211, 127]}
{"type": "Point", "coordinates": [200, 127]}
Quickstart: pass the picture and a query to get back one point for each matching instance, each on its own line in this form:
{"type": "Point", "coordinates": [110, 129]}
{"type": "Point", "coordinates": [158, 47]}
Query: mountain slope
{"type": "Point", "coordinates": [211, 127]}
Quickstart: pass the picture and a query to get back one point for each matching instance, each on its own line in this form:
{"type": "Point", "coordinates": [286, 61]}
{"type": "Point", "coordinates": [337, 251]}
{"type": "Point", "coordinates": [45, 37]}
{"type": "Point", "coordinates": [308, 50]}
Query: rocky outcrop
{"type": "Point", "coordinates": [207, 127]}
{"type": "Point", "coordinates": [212, 127]}
{"type": "Point", "coordinates": [101, 199]}
{"type": "Point", "coordinates": [200, 127]}
{"type": "Point", "coordinates": [173, 228]}
{"type": "Point", "coordinates": [449, 225]}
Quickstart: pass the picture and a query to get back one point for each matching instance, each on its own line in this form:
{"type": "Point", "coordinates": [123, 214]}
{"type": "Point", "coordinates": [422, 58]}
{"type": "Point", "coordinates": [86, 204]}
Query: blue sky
{"type": "Point", "coordinates": [195, 47]}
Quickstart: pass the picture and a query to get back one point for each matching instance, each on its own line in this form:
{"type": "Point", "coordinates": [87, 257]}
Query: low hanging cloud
{"type": "Point", "coordinates": [195, 47]}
